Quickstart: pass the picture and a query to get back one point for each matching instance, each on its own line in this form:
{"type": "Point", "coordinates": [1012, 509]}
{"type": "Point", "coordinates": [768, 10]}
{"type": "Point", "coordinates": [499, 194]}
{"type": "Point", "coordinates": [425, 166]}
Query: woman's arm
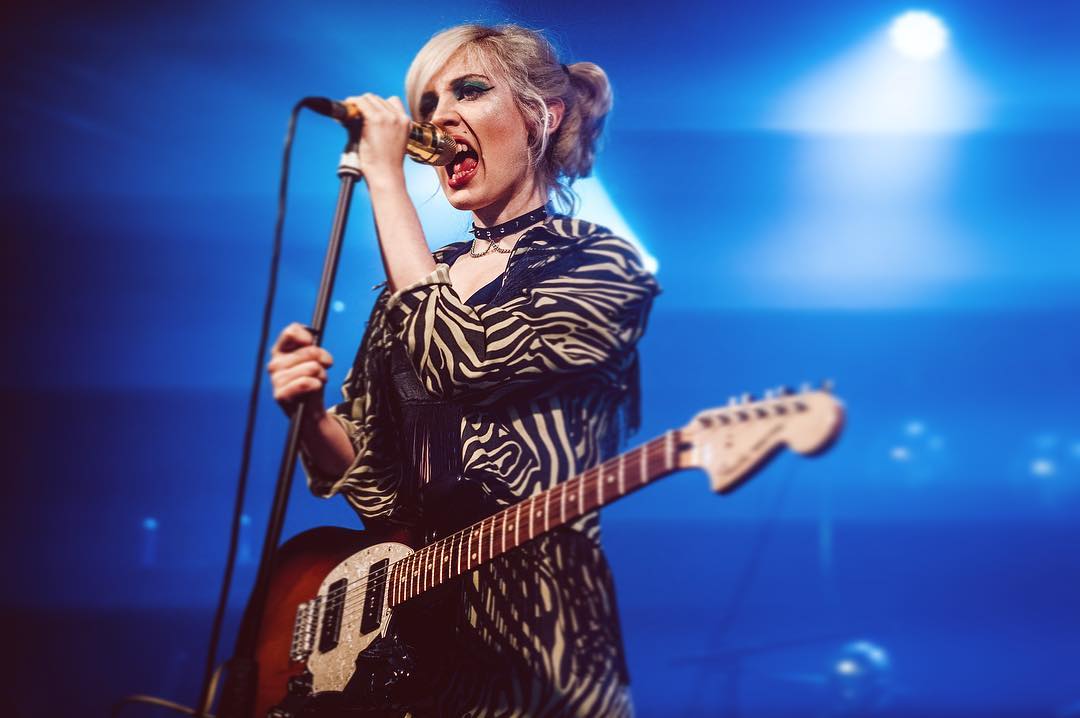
{"type": "Point", "coordinates": [348, 448]}
{"type": "Point", "coordinates": [405, 253]}
{"type": "Point", "coordinates": [326, 443]}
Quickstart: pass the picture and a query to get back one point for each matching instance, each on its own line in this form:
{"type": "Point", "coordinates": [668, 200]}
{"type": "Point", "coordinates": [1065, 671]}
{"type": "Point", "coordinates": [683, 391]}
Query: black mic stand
{"type": "Point", "coordinates": [242, 670]}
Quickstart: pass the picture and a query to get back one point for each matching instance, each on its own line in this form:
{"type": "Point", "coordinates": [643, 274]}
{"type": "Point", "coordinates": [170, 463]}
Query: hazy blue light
{"type": "Point", "coordinates": [871, 89]}
{"type": "Point", "coordinates": [1043, 467]}
{"type": "Point", "coordinates": [915, 428]}
{"type": "Point", "coordinates": [597, 205]}
{"type": "Point", "coordinates": [847, 667]}
{"type": "Point", "coordinates": [1046, 441]}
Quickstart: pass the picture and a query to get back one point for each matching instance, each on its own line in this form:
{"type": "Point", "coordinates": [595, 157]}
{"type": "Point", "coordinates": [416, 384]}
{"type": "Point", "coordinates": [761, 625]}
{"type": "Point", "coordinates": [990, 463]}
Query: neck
{"type": "Point", "coordinates": [468, 548]}
{"type": "Point", "coordinates": [505, 210]}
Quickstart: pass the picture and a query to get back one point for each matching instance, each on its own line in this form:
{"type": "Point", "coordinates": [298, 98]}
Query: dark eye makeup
{"type": "Point", "coordinates": [464, 88]}
{"type": "Point", "coordinates": [470, 89]}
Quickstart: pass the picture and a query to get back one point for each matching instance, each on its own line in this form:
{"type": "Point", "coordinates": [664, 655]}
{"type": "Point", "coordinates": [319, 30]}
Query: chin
{"type": "Point", "coordinates": [464, 198]}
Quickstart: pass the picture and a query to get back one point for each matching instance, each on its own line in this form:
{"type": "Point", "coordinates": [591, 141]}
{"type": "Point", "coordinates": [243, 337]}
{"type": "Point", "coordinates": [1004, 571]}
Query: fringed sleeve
{"type": "Point", "coordinates": [371, 483]}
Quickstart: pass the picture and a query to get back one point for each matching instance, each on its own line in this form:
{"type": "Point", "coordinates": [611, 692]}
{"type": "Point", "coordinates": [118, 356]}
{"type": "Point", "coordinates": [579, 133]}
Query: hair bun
{"type": "Point", "coordinates": [575, 146]}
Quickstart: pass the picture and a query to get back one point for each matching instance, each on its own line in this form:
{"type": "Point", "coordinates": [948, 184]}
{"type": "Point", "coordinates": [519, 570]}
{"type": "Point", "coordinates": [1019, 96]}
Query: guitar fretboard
{"type": "Point", "coordinates": [463, 551]}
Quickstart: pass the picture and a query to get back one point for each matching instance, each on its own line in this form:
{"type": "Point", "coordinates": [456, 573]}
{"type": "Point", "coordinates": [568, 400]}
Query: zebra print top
{"type": "Point", "coordinates": [513, 391]}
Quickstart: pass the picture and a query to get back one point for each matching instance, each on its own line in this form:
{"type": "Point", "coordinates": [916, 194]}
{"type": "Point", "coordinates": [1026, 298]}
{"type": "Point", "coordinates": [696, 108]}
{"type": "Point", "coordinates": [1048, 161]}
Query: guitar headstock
{"type": "Point", "coordinates": [732, 442]}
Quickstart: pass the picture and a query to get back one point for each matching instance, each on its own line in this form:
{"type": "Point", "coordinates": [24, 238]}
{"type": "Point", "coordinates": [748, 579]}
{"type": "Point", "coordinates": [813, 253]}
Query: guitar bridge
{"type": "Point", "coordinates": [305, 628]}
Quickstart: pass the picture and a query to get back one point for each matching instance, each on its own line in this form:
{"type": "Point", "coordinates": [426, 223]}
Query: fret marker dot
{"type": "Point", "coordinates": [539, 513]}
{"type": "Point", "coordinates": [610, 478]}
{"type": "Point", "coordinates": [474, 557]}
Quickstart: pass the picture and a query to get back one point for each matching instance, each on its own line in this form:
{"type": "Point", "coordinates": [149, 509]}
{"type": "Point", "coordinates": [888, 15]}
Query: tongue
{"type": "Point", "coordinates": [467, 164]}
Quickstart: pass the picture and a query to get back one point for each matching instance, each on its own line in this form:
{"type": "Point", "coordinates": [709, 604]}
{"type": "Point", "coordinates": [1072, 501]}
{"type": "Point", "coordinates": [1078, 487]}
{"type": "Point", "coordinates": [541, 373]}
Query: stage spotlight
{"type": "Point", "coordinates": [919, 35]}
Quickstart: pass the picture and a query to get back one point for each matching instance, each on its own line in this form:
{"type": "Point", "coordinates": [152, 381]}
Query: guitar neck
{"type": "Point", "coordinates": [463, 551]}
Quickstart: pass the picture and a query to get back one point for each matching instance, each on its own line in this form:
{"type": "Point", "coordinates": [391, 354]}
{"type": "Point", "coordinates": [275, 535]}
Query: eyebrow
{"type": "Point", "coordinates": [469, 76]}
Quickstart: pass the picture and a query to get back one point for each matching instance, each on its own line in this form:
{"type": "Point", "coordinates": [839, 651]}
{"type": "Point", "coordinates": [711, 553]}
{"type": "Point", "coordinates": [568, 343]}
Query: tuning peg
{"type": "Point", "coordinates": [827, 386]}
{"type": "Point", "coordinates": [732, 401]}
{"type": "Point", "coordinates": [784, 390]}
{"type": "Point", "coordinates": [747, 398]}
{"type": "Point", "coordinates": [769, 394]}
{"type": "Point", "coordinates": [805, 388]}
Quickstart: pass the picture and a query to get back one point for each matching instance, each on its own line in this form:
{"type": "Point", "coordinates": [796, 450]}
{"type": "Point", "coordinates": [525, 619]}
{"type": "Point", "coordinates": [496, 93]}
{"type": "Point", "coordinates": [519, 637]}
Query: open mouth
{"type": "Point", "coordinates": [462, 169]}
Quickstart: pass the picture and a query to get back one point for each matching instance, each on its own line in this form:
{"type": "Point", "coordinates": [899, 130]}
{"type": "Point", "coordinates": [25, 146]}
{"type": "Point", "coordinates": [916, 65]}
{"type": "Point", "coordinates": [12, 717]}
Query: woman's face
{"type": "Point", "coordinates": [492, 167]}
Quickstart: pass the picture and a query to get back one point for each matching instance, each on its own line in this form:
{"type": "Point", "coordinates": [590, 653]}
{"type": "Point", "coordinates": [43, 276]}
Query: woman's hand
{"type": "Point", "coordinates": [297, 369]}
{"type": "Point", "coordinates": [383, 137]}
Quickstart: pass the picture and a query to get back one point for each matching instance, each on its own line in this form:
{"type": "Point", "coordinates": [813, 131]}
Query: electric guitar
{"type": "Point", "coordinates": [334, 591]}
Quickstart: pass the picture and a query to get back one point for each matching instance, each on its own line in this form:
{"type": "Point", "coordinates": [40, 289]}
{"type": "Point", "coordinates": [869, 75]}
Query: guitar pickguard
{"type": "Point", "coordinates": [348, 601]}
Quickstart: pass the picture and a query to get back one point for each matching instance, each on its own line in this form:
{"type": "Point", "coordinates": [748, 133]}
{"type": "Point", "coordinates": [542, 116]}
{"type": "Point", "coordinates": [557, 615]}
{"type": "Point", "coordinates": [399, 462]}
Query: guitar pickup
{"type": "Point", "coordinates": [331, 621]}
{"type": "Point", "coordinates": [373, 596]}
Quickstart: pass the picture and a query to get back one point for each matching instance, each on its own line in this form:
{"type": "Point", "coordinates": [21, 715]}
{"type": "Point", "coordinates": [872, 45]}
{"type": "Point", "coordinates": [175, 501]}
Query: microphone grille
{"type": "Point", "coordinates": [430, 145]}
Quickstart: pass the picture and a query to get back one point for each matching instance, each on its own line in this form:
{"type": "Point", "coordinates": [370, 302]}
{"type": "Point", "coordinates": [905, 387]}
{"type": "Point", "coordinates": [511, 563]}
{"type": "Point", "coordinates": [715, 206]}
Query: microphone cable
{"type": "Point", "coordinates": [211, 673]}
{"type": "Point", "coordinates": [208, 683]}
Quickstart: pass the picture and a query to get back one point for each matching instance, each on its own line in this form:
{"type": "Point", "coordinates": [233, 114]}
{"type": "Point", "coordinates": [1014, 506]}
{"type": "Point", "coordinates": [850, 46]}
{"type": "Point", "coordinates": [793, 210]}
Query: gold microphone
{"type": "Point", "coordinates": [427, 143]}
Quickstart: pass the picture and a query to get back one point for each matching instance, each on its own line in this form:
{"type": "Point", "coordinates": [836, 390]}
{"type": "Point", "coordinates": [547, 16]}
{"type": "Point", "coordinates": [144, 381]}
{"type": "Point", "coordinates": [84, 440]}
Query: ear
{"type": "Point", "coordinates": [556, 110]}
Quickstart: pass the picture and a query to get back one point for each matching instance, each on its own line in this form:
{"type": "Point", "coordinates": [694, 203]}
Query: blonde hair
{"type": "Point", "coordinates": [536, 78]}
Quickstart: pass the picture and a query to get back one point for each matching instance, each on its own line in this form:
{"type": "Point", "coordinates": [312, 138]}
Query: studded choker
{"type": "Point", "coordinates": [509, 227]}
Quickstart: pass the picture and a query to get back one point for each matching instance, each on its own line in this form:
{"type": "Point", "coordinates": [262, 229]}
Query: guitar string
{"type": "Point", "coordinates": [430, 572]}
{"type": "Point", "coordinates": [355, 592]}
{"type": "Point", "coordinates": [496, 524]}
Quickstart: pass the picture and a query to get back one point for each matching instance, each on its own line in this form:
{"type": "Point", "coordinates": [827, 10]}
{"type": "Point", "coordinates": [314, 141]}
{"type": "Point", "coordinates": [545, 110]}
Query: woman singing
{"type": "Point", "coordinates": [489, 371]}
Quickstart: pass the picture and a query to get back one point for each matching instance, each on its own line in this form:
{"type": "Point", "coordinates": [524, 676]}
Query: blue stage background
{"type": "Point", "coordinates": [817, 209]}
